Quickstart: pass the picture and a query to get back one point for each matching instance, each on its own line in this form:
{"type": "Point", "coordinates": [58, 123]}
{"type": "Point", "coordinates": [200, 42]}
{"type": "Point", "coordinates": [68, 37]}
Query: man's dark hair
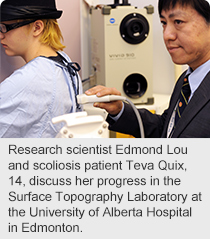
{"type": "Point", "coordinates": [201, 6]}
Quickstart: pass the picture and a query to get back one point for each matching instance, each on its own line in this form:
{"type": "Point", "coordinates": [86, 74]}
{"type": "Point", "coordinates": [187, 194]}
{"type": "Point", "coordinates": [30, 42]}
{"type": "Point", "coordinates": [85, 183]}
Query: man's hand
{"type": "Point", "coordinates": [113, 107]}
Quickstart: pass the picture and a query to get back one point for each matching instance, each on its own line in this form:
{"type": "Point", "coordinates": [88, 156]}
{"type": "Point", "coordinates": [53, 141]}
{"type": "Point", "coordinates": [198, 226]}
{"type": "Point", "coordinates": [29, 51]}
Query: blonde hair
{"type": "Point", "coordinates": [52, 35]}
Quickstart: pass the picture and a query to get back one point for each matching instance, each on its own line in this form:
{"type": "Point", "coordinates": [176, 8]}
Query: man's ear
{"type": "Point", "coordinates": [38, 27]}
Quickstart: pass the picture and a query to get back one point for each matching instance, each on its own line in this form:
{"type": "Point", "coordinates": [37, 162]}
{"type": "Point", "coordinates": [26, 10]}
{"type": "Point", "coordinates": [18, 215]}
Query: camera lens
{"type": "Point", "coordinates": [134, 28]}
{"type": "Point", "coordinates": [135, 86]}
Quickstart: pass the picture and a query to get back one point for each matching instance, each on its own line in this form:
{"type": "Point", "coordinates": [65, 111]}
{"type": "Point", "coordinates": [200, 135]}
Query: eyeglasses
{"type": "Point", "coordinates": [4, 28]}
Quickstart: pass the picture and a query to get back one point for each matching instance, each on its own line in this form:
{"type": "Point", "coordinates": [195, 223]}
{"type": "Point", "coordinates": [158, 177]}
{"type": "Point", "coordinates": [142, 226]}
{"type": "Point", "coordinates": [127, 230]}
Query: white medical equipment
{"type": "Point", "coordinates": [122, 49]}
{"type": "Point", "coordinates": [80, 125]}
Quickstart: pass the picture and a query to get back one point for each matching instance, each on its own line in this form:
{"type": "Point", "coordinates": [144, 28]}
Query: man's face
{"type": "Point", "coordinates": [186, 35]}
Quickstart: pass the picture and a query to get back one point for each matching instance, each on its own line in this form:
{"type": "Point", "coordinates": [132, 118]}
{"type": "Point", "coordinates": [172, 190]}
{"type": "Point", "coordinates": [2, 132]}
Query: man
{"type": "Point", "coordinates": [186, 32]}
{"type": "Point", "coordinates": [47, 85]}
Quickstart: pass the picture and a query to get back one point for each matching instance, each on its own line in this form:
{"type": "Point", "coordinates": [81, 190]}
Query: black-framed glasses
{"type": "Point", "coordinates": [4, 28]}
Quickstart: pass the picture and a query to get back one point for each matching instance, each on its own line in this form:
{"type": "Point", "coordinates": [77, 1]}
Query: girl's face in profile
{"type": "Point", "coordinates": [16, 42]}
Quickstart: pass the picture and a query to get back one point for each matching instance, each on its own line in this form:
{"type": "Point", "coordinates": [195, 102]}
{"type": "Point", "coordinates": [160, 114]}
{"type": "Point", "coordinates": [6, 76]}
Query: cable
{"type": "Point", "coordinates": [141, 127]}
{"type": "Point", "coordinates": [84, 99]}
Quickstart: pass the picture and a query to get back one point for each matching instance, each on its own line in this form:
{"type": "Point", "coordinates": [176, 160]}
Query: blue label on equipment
{"type": "Point", "coordinates": [112, 20]}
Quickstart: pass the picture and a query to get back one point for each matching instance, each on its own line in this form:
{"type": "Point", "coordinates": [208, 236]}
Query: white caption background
{"type": "Point", "coordinates": [164, 194]}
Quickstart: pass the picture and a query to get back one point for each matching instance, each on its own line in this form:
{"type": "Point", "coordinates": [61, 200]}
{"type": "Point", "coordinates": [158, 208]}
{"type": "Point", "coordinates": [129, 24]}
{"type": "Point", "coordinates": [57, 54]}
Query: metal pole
{"type": "Point", "coordinates": [125, 2]}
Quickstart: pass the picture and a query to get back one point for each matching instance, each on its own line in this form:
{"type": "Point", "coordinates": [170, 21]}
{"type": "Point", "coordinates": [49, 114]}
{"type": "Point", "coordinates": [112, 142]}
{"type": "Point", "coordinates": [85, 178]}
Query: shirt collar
{"type": "Point", "coordinates": [196, 77]}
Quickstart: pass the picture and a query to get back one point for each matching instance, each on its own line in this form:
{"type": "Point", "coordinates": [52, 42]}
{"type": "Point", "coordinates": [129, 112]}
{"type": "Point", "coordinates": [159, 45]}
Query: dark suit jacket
{"type": "Point", "coordinates": [194, 123]}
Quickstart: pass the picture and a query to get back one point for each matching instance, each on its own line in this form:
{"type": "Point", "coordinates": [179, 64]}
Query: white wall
{"type": "Point", "coordinates": [70, 27]}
